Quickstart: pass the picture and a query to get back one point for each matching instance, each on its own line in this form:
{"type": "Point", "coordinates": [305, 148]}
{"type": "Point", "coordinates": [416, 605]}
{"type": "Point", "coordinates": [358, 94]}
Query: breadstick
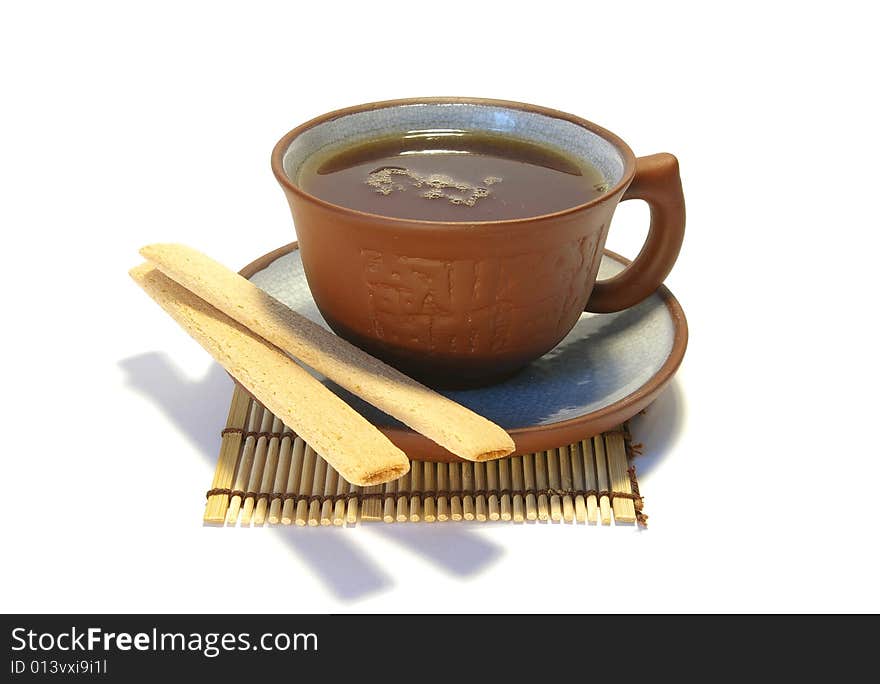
{"type": "Point", "coordinates": [454, 427]}
{"type": "Point", "coordinates": [358, 451]}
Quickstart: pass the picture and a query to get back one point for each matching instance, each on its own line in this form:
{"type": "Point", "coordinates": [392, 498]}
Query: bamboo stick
{"type": "Point", "coordinates": [244, 464]}
{"type": "Point", "coordinates": [371, 506]}
{"type": "Point", "coordinates": [529, 478]}
{"type": "Point", "coordinates": [565, 477]}
{"type": "Point", "coordinates": [305, 486]}
{"type": "Point", "coordinates": [289, 466]}
{"type": "Point", "coordinates": [259, 464]}
{"type": "Point", "coordinates": [492, 481]}
{"type": "Point", "coordinates": [403, 485]}
{"type": "Point", "coordinates": [592, 481]}
{"type": "Point", "coordinates": [580, 482]}
{"type": "Point", "coordinates": [555, 484]}
{"type": "Point", "coordinates": [602, 475]}
{"type": "Point", "coordinates": [615, 450]}
{"type": "Point", "coordinates": [429, 503]}
{"type": "Point", "coordinates": [468, 506]}
{"type": "Point", "coordinates": [317, 490]}
{"type": "Point", "coordinates": [415, 499]}
{"type": "Point", "coordinates": [542, 483]}
{"type": "Point", "coordinates": [353, 505]}
{"type": "Point", "coordinates": [519, 506]}
{"type": "Point", "coordinates": [268, 478]}
{"type": "Point", "coordinates": [504, 477]}
{"type": "Point", "coordinates": [282, 474]}
{"type": "Point", "coordinates": [294, 477]}
{"type": "Point", "coordinates": [482, 507]}
{"type": "Point", "coordinates": [455, 487]}
{"type": "Point", "coordinates": [230, 448]}
{"type": "Point", "coordinates": [330, 482]}
{"type": "Point", "coordinates": [339, 507]}
{"type": "Point", "coordinates": [389, 513]}
{"type": "Point", "coordinates": [442, 486]}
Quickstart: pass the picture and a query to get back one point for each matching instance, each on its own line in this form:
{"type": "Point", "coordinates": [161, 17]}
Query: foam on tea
{"type": "Point", "coordinates": [451, 175]}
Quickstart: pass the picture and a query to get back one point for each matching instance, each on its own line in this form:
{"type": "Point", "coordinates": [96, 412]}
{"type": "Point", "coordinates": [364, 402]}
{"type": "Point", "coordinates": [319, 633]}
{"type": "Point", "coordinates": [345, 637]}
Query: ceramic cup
{"type": "Point", "coordinates": [460, 304]}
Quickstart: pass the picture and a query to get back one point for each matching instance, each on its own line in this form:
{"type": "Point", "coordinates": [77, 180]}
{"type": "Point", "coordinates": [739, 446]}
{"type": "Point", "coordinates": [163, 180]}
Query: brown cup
{"type": "Point", "coordinates": [466, 304]}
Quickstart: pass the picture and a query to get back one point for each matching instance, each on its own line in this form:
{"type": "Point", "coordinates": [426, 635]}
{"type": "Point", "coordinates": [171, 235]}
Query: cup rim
{"type": "Point", "coordinates": [281, 147]}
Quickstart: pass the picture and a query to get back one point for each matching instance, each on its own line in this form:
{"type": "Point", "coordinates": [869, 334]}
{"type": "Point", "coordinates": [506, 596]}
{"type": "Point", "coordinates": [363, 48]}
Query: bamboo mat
{"type": "Point", "coordinates": [267, 474]}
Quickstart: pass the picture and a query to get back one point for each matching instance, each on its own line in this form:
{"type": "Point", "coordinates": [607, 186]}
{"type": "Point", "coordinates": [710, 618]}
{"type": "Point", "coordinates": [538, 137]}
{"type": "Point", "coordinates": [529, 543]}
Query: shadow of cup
{"type": "Point", "coordinates": [659, 427]}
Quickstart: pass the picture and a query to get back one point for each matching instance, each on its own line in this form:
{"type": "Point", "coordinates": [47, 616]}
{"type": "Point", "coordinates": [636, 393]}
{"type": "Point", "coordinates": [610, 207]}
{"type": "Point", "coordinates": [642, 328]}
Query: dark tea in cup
{"type": "Point", "coordinates": [451, 175]}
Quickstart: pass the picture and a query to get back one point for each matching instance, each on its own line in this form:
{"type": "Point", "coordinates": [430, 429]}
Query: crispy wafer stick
{"type": "Point", "coordinates": [451, 425]}
{"type": "Point", "coordinates": [358, 451]}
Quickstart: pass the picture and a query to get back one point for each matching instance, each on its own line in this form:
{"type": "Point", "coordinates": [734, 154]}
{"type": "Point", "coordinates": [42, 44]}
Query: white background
{"type": "Point", "coordinates": [125, 124]}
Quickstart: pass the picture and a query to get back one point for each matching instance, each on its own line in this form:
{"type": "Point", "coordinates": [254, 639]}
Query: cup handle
{"type": "Point", "coordinates": [657, 182]}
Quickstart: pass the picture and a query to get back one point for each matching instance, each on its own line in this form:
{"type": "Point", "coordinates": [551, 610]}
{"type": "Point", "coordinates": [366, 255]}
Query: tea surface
{"type": "Point", "coordinates": [451, 175]}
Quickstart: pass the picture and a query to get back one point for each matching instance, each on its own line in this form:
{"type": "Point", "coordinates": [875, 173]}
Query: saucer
{"type": "Point", "coordinates": [607, 369]}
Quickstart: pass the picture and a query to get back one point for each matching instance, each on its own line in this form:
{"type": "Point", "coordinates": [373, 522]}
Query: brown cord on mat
{"type": "Point", "coordinates": [225, 490]}
{"type": "Point", "coordinates": [252, 433]}
{"type": "Point", "coordinates": [641, 518]}
{"type": "Point", "coordinates": [549, 491]}
{"type": "Point", "coordinates": [633, 450]}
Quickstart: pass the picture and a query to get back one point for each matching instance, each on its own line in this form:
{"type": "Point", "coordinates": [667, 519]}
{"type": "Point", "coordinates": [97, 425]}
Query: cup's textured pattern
{"type": "Point", "coordinates": [473, 306]}
{"type": "Point", "coordinates": [604, 358]}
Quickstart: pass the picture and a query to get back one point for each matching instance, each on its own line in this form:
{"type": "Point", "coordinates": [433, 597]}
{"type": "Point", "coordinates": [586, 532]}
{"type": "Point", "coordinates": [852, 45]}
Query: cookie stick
{"type": "Point", "coordinates": [358, 451]}
{"type": "Point", "coordinates": [452, 426]}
